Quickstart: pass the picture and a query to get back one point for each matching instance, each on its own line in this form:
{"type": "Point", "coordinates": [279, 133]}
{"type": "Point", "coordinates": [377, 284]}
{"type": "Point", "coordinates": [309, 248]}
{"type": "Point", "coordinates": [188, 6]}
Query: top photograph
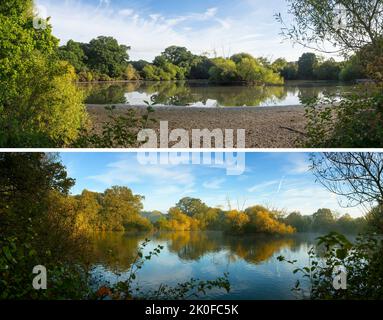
{"type": "Point", "coordinates": [191, 74]}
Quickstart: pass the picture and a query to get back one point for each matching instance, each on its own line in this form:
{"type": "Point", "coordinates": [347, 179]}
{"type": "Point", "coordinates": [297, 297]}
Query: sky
{"type": "Point", "coordinates": [277, 180]}
{"type": "Point", "coordinates": [221, 27]}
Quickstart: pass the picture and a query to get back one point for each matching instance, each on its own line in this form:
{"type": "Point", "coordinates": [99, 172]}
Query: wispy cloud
{"type": "Point", "coordinates": [263, 186]}
{"type": "Point", "coordinates": [214, 183]}
{"type": "Point", "coordinates": [148, 32]}
{"type": "Point", "coordinates": [127, 171]}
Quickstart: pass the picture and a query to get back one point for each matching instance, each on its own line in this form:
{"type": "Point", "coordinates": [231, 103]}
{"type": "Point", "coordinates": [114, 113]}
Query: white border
{"type": "Point", "coordinates": [190, 150]}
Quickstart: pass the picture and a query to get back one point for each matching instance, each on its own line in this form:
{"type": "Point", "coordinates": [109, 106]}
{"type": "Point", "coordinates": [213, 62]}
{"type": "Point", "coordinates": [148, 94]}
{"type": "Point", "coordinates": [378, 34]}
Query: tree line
{"type": "Point", "coordinates": [105, 59]}
{"type": "Point", "coordinates": [118, 209]}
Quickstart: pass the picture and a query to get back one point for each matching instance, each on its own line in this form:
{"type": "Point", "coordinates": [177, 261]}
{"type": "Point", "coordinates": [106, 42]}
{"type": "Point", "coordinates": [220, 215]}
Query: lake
{"type": "Point", "coordinates": [251, 261]}
{"type": "Point", "coordinates": [203, 94]}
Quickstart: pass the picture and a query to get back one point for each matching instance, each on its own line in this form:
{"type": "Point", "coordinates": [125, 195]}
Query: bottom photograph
{"type": "Point", "coordinates": [198, 226]}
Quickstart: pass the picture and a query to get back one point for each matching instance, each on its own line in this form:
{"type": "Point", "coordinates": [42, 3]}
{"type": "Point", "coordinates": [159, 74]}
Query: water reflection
{"type": "Point", "coordinates": [118, 250]}
{"type": "Point", "coordinates": [255, 272]}
{"type": "Point", "coordinates": [203, 94]}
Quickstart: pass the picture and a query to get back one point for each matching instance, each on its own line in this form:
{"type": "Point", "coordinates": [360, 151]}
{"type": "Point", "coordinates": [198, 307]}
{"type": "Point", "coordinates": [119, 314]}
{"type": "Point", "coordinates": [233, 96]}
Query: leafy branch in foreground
{"type": "Point", "coordinates": [129, 290]}
{"type": "Point", "coordinates": [120, 131]}
{"type": "Point", "coordinates": [362, 261]}
{"type": "Point", "coordinates": [354, 121]}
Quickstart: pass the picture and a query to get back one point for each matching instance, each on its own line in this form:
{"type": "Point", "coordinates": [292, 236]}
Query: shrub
{"type": "Point", "coordinates": [355, 121]}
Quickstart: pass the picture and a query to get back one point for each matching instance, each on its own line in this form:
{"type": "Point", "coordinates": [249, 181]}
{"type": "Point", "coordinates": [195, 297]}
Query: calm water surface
{"type": "Point", "coordinates": [203, 94]}
{"type": "Point", "coordinates": [254, 271]}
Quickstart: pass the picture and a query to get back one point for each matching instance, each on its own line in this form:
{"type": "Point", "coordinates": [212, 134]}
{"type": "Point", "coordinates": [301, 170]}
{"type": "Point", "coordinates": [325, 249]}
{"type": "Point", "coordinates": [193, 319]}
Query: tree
{"type": "Point", "coordinates": [357, 176]}
{"type": "Point", "coordinates": [88, 209]}
{"type": "Point", "coordinates": [223, 70]}
{"type": "Point", "coordinates": [179, 56]}
{"type": "Point", "coordinates": [130, 73]}
{"type": "Point", "coordinates": [307, 63]}
{"type": "Point", "coordinates": [290, 71]}
{"type": "Point", "coordinates": [39, 102]}
{"type": "Point", "coordinates": [299, 222]}
{"type": "Point", "coordinates": [120, 208]}
{"type": "Point", "coordinates": [352, 70]}
{"type": "Point", "coordinates": [106, 56]}
{"type": "Point", "coordinates": [139, 65]}
{"type": "Point", "coordinates": [200, 68]}
{"type": "Point", "coordinates": [38, 227]}
{"type": "Point", "coordinates": [328, 70]}
{"type": "Point", "coordinates": [236, 221]}
{"type": "Point", "coordinates": [192, 207]}
{"type": "Point", "coordinates": [73, 53]}
{"type": "Point", "coordinates": [279, 65]}
{"type": "Point", "coordinates": [237, 58]}
{"type": "Point", "coordinates": [348, 25]}
{"type": "Point", "coordinates": [323, 220]}
{"type": "Point", "coordinates": [374, 219]}
{"type": "Point", "coordinates": [261, 220]}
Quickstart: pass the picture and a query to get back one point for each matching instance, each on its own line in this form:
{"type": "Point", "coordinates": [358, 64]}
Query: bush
{"type": "Point", "coordinates": [39, 103]}
{"type": "Point", "coordinates": [362, 262]}
{"type": "Point", "coordinates": [355, 121]}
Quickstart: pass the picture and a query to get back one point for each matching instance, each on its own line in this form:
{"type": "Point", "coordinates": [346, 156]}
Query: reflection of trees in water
{"type": "Point", "coordinates": [242, 95]}
{"type": "Point", "coordinates": [191, 245]}
{"type": "Point", "coordinates": [255, 249]}
{"type": "Point", "coordinates": [183, 93]}
{"type": "Point", "coordinates": [115, 250]}
{"type": "Point", "coordinates": [107, 93]}
{"type": "Point", "coordinates": [169, 93]}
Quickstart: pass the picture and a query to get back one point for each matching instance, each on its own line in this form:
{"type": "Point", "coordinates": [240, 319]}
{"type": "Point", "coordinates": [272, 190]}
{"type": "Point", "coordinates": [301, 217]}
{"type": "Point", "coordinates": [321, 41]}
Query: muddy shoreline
{"type": "Point", "coordinates": [266, 127]}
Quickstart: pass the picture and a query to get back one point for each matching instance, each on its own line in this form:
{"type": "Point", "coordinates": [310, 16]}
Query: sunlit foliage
{"type": "Point", "coordinates": [39, 103]}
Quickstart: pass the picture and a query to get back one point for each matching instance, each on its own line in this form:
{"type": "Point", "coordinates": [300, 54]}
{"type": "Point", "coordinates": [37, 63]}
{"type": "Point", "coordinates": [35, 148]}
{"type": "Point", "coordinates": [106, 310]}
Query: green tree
{"type": "Point", "coordinates": [39, 102]}
{"type": "Point", "coordinates": [307, 64]}
{"type": "Point", "coordinates": [348, 25]}
{"type": "Point", "coordinates": [352, 70]}
{"type": "Point", "coordinates": [73, 53]}
{"type": "Point", "coordinates": [200, 68]}
{"type": "Point", "coordinates": [106, 56]}
{"type": "Point", "coordinates": [179, 56]}
{"type": "Point", "coordinates": [290, 71]}
{"type": "Point", "coordinates": [328, 70]}
{"type": "Point", "coordinates": [299, 222]}
{"type": "Point", "coordinates": [279, 65]}
{"type": "Point", "coordinates": [223, 70]}
{"type": "Point", "coordinates": [323, 220]}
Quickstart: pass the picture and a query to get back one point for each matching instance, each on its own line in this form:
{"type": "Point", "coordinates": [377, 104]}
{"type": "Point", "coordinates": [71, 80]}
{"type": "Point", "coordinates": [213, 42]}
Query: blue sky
{"type": "Point", "coordinates": [149, 26]}
{"type": "Point", "coordinates": [278, 180]}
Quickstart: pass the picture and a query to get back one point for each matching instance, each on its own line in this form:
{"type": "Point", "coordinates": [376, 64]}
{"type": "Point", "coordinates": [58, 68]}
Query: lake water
{"type": "Point", "coordinates": [251, 261]}
{"type": "Point", "coordinates": [203, 94]}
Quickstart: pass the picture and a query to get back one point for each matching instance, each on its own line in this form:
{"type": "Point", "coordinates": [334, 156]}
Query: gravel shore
{"type": "Point", "coordinates": [266, 127]}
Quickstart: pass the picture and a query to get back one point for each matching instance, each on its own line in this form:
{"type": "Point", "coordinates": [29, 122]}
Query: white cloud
{"type": "Point", "coordinates": [126, 12]}
{"type": "Point", "coordinates": [128, 171]}
{"type": "Point", "coordinates": [298, 164]}
{"type": "Point", "coordinates": [149, 33]}
{"type": "Point", "coordinates": [213, 184]}
{"type": "Point", "coordinates": [262, 186]}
